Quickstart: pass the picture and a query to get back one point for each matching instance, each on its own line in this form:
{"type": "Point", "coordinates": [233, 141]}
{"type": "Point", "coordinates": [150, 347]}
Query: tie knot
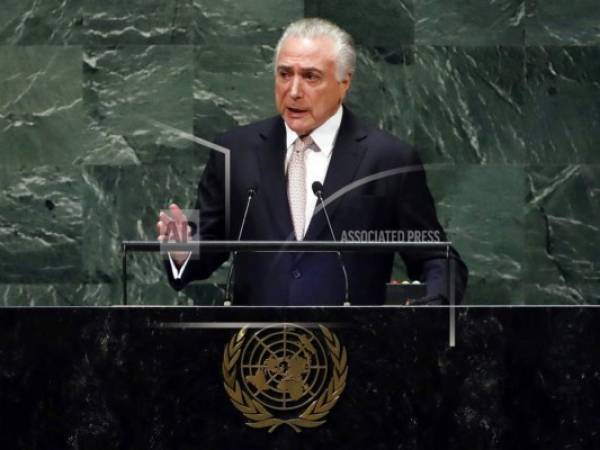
{"type": "Point", "coordinates": [302, 143]}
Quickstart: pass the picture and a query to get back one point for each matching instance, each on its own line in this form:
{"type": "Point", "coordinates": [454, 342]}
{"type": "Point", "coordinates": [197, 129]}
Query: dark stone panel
{"type": "Point", "coordinates": [521, 359]}
{"type": "Point", "coordinates": [590, 292]}
{"type": "Point", "coordinates": [482, 209]}
{"type": "Point", "coordinates": [562, 109]}
{"type": "Point", "coordinates": [138, 22]}
{"type": "Point", "coordinates": [139, 102]}
{"type": "Point", "coordinates": [205, 293]}
{"type": "Point", "coordinates": [41, 113]}
{"type": "Point", "coordinates": [240, 22]}
{"type": "Point", "coordinates": [110, 293]}
{"type": "Point", "coordinates": [480, 411]}
{"type": "Point", "coordinates": [233, 85]}
{"type": "Point", "coordinates": [381, 24]}
{"type": "Point", "coordinates": [496, 290]}
{"type": "Point", "coordinates": [470, 23]}
{"type": "Point", "coordinates": [527, 233]}
{"type": "Point", "coordinates": [59, 294]}
{"type": "Point", "coordinates": [109, 146]}
{"type": "Point", "coordinates": [564, 222]}
{"type": "Point", "coordinates": [123, 204]}
{"type": "Point", "coordinates": [556, 22]}
{"type": "Point", "coordinates": [545, 283]}
{"type": "Point", "coordinates": [160, 293]}
{"type": "Point", "coordinates": [93, 22]}
{"type": "Point", "coordinates": [469, 104]}
{"type": "Point", "coordinates": [115, 378]}
{"type": "Point", "coordinates": [33, 22]}
{"type": "Point", "coordinates": [40, 226]}
{"type": "Point", "coordinates": [382, 90]}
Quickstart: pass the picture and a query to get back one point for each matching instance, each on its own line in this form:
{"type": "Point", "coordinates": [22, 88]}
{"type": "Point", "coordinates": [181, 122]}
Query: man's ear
{"type": "Point", "coordinates": [345, 85]}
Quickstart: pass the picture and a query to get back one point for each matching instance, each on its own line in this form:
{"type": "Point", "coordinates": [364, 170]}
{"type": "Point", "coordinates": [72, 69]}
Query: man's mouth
{"type": "Point", "coordinates": [296, 110]}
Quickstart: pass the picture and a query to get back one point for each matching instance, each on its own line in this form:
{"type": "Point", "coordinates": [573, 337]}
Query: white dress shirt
{"type": "Point", "coordinates": [316, 160]}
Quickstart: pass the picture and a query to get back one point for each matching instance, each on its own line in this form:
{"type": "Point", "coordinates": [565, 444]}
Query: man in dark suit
{"type": "Point", "coordinates": [374, 182]}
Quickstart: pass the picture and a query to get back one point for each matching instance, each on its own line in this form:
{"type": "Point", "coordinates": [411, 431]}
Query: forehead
{"type": "Point", "coordinates": [316, 52]}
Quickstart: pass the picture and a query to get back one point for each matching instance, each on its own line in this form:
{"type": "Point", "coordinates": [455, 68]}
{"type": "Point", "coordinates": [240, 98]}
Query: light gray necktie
{"type": "Point", "coordinates": [297, 185]}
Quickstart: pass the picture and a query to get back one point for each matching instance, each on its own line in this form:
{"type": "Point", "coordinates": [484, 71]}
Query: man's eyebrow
{"type": "Point", "coordinates": [311, 69]}
{"type": "Point", "coordinates": [302, 70]}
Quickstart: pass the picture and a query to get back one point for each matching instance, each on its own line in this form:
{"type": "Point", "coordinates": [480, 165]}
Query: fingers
{"type": "Point", "coordinates": [172, 225]}
{"type": "Point", "coordinates": [161, 229]}
{"type": "Point", "coordinates": [177, 213]}
{"type": "Point", "coordinates": [162, 226]}
{"type": "Point", "coordinates": [180, 219]}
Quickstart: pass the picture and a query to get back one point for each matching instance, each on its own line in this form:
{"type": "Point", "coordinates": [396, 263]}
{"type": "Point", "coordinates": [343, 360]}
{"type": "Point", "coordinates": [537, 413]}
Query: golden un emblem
{"type": "Point", "coordinates": [285, 375]}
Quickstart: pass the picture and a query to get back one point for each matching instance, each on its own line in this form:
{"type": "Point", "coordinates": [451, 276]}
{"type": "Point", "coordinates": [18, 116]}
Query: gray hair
{"type": "Point", "coordinates": [316, 27]}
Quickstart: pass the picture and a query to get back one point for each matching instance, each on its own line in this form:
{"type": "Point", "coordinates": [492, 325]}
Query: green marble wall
{"type": "Point", "coordinates": [502, 97]}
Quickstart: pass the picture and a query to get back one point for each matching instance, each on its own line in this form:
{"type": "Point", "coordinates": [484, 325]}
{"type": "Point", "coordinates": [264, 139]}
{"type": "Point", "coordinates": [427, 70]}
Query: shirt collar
{"type": "Point", "coordinates": [324, 136]}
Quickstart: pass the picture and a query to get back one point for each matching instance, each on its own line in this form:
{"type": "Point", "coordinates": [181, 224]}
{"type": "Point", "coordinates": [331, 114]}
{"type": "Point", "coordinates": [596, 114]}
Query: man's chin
{"type": "Point", "coordinates": [299, 126]}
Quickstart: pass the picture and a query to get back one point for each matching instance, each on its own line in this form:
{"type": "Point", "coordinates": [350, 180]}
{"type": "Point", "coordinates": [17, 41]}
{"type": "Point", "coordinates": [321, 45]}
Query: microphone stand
{"type": "Point", "coordinates": [317, 188]}
{"type": "Point", "coordinates": [228, 294]}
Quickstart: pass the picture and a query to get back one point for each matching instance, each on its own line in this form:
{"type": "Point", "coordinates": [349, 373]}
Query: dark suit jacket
{"type": "Point", "coordinates": [398, 202]}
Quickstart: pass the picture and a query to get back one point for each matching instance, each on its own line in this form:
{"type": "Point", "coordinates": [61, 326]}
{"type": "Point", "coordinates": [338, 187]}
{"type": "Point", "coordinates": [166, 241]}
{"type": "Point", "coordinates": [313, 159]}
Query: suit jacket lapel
{"type": "Point", "coordinates": [273, 185]}
{"type": "Point", "coordinates": [345, 160]}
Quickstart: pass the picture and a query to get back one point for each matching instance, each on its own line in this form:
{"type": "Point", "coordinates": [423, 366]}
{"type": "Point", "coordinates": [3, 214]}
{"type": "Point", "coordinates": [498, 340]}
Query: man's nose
{"type": "Point", "coordinates": [296, 91]}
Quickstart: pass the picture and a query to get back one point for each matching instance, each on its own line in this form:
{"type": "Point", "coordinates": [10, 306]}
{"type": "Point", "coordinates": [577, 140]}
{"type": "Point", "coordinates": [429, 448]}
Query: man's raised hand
{"type": "Point", "coordinates": [173, 227]}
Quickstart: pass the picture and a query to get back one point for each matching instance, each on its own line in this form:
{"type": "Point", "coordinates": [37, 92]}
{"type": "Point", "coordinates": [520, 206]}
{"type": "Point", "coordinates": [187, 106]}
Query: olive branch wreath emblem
{"type": "Point", "coordinates": [259, 416]}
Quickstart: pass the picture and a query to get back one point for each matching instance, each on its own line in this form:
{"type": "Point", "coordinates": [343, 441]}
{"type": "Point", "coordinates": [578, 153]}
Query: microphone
{"type": "Point", "coordinates": [252, 190]}
{"type": "Point", "coordinates": [317, 188]}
